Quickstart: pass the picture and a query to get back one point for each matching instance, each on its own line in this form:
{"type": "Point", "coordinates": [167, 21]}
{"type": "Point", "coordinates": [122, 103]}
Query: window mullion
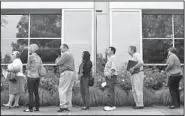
{"type": "Point", "coordinates": [173, 30]}
{"type": "Point", "coordinates": [29, 28]}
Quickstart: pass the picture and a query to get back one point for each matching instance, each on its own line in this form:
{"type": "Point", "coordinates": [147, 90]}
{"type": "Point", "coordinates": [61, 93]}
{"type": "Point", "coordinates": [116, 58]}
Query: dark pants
{"type": "Point", "coordinates": [84, 89]}
{"type": "Point", "coordinates": [33, 86]}
{"type": "Point", "coordinates": [173, 84]}
{"type": "Point", "coordinates": [111, 83]}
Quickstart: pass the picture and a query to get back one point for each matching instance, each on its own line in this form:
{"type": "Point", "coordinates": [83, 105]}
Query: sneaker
{"type": "Point", "coordinates": [138, 107]}
{"type": "Point", "coordinates": [63, 109]}
{"type": "Point", "coordinates": [108, 108]}
{"type": "Point", "coordinates": [36, 109]}
{"type": "Point", "coordinates": [173, 107]}
{"type": "Point", "coordinates": [27, 110]}
{"type": "Point", "coordinates": [85, 108]}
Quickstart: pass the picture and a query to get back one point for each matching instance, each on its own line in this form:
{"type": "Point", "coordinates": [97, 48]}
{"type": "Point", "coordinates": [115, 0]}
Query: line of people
{"type": "Point", "coordinates": [66, 65]}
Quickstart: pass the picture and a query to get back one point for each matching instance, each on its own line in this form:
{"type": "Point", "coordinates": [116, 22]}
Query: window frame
{"type": "Point", "coordinates": [162, 12]}
{"type": "Point", "coordinates": [30, 12]}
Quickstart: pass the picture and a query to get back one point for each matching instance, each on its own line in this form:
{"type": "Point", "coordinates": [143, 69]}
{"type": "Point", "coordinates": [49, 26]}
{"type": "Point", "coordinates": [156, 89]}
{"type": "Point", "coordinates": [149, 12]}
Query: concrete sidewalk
{"type": "Point", "coordinates": [154, 110]}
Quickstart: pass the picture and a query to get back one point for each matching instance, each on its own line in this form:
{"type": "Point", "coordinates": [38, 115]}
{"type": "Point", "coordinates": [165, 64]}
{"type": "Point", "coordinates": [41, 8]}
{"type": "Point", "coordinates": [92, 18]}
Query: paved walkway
{"type": "Point", "coordinates": [154, 110]}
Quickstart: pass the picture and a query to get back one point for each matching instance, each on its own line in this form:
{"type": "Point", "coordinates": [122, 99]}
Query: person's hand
{"type": "Point", "coordinates": [57, 58]}
{"type": "Point", "coordinates": [103, 79]}
{"type": "Point", "coordinates": [165, 70]}
{"type": "Point", "coordinates": [111, 74]}
{"type": "Point", "coordinates": [109, 77]}
{"type": "Point", "coordinates": [127, 72]}
{"type": "Point", "coordinates": [131, 70]}
{"type": "Point", "coordinates": [79, 76]}
{"type": "Point", "coordinates": [4, 72]}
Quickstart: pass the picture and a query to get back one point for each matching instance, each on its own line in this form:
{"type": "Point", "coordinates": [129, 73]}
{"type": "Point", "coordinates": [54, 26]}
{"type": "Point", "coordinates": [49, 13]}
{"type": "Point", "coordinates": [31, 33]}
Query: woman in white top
{"type": "Point", "coordinates": [15, 88]}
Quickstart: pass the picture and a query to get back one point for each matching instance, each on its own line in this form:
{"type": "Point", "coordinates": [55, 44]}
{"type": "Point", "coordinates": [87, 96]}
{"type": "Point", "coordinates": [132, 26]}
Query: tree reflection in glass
{"type": "Point", "coordinates": [155, 50]}
{"type": "Point", "coordinates": [49, 49]}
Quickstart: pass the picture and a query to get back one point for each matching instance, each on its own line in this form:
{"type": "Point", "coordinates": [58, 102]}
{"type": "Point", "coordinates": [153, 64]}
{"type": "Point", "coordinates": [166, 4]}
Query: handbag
{"type": "Point", "coordinates": [11, 76]}
{"type": "Point", "coordinates": [42, 71]}
{"type": "Point", "coordinates": [91, 80]}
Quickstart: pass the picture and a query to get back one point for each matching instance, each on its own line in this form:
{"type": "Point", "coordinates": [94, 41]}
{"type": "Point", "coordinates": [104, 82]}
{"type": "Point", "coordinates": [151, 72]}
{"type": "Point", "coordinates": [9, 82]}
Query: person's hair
{"type": "Point", "coordinates": [173, 50]}
{"type": "Point", "coordinates": [86, 56]}
{"type": "Point", "coordinates": [66, 46]}
{"type": "Point", "coordinates": [34, 47]}
{"type": "Point", "coordinates": [17, 54]}
{"type": "Point", "coordinates": [113, 49]}
{"type": "Point", "coordinates": [133, 48]}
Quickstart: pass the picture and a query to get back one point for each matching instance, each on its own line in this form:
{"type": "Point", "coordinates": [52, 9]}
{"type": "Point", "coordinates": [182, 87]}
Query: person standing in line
{"type": "Point", "coordinates": [111, 78]}
{"type": "Point", "coordinates": [33, 77]}
{"type": "Point", "coordinates": [137, 78]}
{"type": "Point", "coordinates": [84, 76]}
{"type": "Point", "coordinates": [175, 74]}
{"type": "Point", "coordinates": [67, 77]}
{"type": "Point", "coordinates": [17, 87]}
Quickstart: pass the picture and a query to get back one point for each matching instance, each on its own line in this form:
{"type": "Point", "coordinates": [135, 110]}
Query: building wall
{"type": "Point", "coordinates": [94, 26]}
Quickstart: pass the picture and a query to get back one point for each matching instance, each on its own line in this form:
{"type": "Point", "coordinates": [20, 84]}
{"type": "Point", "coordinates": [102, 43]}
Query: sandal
{"type": "Point", "coordinates": [14, 106]}
{"type": "Point", "coordinates": [7, 105]}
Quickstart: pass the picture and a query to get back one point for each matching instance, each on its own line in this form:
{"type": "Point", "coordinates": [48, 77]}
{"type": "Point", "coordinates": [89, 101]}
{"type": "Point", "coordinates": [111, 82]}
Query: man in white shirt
{"type": "Point", "coordinates": [111, 78]}
{"type": "Point", "coordinates": [137, 78]}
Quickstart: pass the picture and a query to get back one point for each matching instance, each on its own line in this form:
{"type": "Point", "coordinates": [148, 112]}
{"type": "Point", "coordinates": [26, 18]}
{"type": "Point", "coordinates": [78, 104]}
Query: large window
{"type": "Point", "coordinates": [14, 36]}
{"type": "Point", "coordinates": [19, 31]}
{"type": "Point", "coordinates": [160, 32]}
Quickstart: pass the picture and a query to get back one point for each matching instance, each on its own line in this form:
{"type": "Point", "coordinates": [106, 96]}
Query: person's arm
{"type": "Point", "coordinates": [57, 58]}
{"type": "Point", "coordinates": [62, 59]}
{"type": "Point", "coordinates": [113, 67]}
{"type": "Point", "coordinates": [140, 62]}
{"type": "Point", "coordinates": [30, 61]}
{"type": "Point", "coordinates": [79, 68]}
{"type": "Point", "coordinates": [170, 63]}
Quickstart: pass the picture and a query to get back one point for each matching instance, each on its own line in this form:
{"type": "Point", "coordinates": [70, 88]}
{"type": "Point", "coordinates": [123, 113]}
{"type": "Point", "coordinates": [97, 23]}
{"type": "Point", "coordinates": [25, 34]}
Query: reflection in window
{"type": "Point", "coordinates": [45, 26]}
{"type": "Point", "coordinates": [49, 49]}
{"type": "Point", "coordinates": [155, 50]}
{"type": "Point", "coordinates": [157, 26]}
{"type": "Point", "coordinates": [9, 45]}
{"type": "Point", "coordinates": [179, 26]}
{"type": "Point", "coordinates": [179, 44]}
{"type": "Point", "coordinates": [14, 26]}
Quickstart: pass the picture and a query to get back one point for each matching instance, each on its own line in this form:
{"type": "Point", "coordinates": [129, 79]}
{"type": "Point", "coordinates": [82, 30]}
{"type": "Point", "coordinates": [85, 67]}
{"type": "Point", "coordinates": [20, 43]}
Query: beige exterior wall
{"type": "Point", "coordinates": [85, 29]}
